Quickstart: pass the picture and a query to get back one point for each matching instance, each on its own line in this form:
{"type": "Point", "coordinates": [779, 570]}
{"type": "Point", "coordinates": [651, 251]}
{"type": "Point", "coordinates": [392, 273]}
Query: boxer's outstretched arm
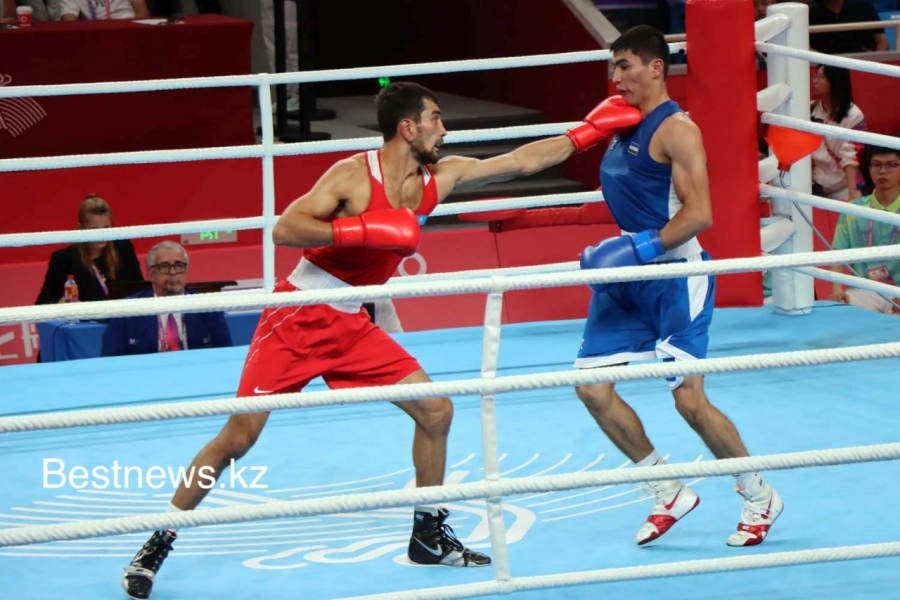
{"type": "Point", "coordinates": [683, 144]}
{"type": "Point", "coordinates": [301, 224]}
{"type": "Point", "coordinates": [456, 171]}
{"type": "Point", "coordinates": [613, 115]}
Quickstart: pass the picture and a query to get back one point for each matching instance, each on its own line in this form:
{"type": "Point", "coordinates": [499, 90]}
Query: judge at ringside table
{"type": "Point", "coordinates": [167, 263]}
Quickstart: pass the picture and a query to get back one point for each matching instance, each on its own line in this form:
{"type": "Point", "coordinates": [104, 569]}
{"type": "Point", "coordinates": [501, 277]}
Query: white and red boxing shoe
{"type": "Point", "coordinates": [762, 505]}
{"type": "Point", "coordinates": [674, 500]}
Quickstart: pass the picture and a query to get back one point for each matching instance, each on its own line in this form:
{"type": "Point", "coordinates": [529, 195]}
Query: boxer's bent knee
{"type": "Point", "coordinates": [240, 434]}
{"type": "Point", "coordinates": [596, 396]}
{"type": "Point", "coordinates": [434, 415]}
{"type": "Point", "coordinates": [690, 400]}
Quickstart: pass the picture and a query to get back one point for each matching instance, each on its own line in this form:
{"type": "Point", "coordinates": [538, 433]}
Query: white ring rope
{"type": "Point", "coordinates": [817, 58]}
{"type": "Point", "coordinates": [263, 150]}
{"type": "Point", "coordinates": [245, 223]}
{"type": "Point", "coordinates": [129, 158]}
{"type": "Point", "coordinates": [37, 534]}
{"type": "Point", "coordinates": [885, 290]}
{"type": "Point", "coordinates": [128, 232]}
{"type": "Point", "coordinates": [476, 206]}
{"type": "Point", "coordinates": [672, 569]}
{"type": "Point", "coordinates": [863, 212]}
{"type": "Point", "coordinates": [842, 133]}
{"type": "Point", "coordinates": [456, 66]}
{"type": "Point", "coordinates": [563, 267]}
{"type": "Point", "coordinates": [230, 301]}
{"type": "Point", "coordinates": [439, 389]}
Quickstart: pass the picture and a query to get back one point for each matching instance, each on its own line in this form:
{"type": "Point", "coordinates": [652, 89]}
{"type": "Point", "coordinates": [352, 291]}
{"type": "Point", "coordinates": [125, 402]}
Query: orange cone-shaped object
{"type": "Point", "coordinates": [790, 145]}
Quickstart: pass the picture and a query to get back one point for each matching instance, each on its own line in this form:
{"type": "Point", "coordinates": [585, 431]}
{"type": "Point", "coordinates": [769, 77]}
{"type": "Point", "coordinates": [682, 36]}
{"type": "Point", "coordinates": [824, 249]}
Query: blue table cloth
{"type": "Point", "coordinates": [64, 340]}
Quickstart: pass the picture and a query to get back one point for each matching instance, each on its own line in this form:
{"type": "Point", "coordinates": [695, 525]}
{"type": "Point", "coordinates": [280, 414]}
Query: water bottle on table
{"type": "Point", "coordinates": [70, 294]}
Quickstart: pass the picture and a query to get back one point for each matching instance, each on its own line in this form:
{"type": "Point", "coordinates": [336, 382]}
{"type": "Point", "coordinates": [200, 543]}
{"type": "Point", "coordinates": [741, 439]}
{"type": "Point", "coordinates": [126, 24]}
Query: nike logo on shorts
{"type": "Point", "coordinates": [256, 390]}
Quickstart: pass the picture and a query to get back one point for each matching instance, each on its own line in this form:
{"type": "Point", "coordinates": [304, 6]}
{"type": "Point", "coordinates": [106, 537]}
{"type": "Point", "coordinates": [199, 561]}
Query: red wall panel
{"type": "Point", "coordinates": [525, 247]}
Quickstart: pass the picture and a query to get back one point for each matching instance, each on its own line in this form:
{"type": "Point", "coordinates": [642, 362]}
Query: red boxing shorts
{"type": "Point", "coordinates": [294, 345]}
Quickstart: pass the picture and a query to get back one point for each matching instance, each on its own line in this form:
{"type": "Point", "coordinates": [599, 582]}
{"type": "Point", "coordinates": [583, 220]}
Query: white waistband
{"type": "Point", "coordinates": [688, 249]}
{"type": "Point", "coordinates": [307, 276]}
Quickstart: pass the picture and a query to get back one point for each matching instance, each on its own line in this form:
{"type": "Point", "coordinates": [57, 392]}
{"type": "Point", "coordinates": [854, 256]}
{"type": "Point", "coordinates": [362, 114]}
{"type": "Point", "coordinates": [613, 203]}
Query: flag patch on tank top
{"type": "Point", "coordinates": [422, 219]}
{"type": "Point", "coordinates": [633, 149]}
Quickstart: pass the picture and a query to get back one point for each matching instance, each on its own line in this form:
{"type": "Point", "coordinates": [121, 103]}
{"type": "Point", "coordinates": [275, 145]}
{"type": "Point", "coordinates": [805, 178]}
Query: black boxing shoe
{"type": "Point", "coordinates": [434, 543]}
{"type": "Point", "coordinates": [139, 575]}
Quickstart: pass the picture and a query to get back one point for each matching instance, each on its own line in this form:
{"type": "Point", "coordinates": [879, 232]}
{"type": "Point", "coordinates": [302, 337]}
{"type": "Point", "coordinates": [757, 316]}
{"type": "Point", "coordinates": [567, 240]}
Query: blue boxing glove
{"type": "Point", "coordinates": [622, 251]}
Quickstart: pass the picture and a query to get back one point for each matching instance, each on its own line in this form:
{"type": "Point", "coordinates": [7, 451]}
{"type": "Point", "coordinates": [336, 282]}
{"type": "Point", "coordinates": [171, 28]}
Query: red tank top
{"type": "Point", "coordinates": [371, 266]}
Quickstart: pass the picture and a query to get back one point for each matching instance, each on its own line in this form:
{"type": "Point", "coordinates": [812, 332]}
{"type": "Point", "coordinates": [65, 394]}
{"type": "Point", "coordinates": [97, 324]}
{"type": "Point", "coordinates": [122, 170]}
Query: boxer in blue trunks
{"type": "Point", "coordinates": [655, 183]}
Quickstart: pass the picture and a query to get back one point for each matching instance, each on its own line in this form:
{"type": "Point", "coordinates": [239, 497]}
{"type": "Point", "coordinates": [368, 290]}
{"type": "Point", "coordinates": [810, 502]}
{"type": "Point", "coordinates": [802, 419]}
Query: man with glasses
{"type": "Point", "coordinates": [167, 265]}
{"type": "Point", "coordinates": [854, 232]}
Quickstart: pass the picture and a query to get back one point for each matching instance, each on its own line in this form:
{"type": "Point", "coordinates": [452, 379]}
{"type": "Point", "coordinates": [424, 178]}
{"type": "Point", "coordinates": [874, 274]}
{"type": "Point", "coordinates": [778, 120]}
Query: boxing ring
{"type": "Point", "coordinates": [323, 508]}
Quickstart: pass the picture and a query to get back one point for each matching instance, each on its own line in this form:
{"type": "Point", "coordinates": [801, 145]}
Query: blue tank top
{"type": "Point", "coordinates": [639, 190]}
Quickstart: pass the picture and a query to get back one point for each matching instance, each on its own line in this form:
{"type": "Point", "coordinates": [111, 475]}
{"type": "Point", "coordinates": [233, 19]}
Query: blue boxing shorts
{"type": "Point", "coordinates": [641, 320]}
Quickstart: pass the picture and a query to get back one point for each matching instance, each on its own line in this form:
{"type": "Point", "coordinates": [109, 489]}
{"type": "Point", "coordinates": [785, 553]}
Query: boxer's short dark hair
{"type": "Point", "coordinates": [646, 42]}
{"type": "Point", "coordinates": [398, 101]}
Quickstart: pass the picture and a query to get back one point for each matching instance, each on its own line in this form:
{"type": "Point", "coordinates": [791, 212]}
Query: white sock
{"type": "Point", "coordinates": [654, 460]}
{"type": "Point", "coordinates": [651, 460]}
{"type": "Point", "coordinates": [170, 509]}
{"type": "Point", "coordinates": [748, 480]}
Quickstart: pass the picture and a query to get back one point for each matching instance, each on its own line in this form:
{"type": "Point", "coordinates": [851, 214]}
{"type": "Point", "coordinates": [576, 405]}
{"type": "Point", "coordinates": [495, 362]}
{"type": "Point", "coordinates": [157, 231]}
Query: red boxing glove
{"type": "Point", "coordinates": [612, 116]}
{"type": "Point", "coordinates": [387, 229]}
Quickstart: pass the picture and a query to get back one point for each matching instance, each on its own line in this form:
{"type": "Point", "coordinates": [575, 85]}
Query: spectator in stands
{"type": "Point", "coordinates": [42, 10]}
{"type": "Point", "coordinates": [760, 7]}
{"type": "Point", "coordinates": [835, 166]}
{"type": "Point", "coordinates": [8, 12]}
{"type": "Point", "coordinates": [267, 25]}
{"type": "Point", "coordinates": [833, 12]}
{"type": "Point", "coordinates": [854, 232]}
{"type": "Point", "coordinates": [72, 10]}
{"type": "Point", "coordinates": [167, 264]}
{"type": "Point", "coordinates": [677, 21]}
{"type": "Point", "coordinates": [94, 264]}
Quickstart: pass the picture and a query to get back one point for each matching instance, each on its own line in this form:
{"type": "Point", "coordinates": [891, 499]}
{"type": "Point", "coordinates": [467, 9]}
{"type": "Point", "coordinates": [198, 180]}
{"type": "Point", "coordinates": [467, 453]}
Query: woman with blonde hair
{"type": "Point", "coordinates": [93, 264]}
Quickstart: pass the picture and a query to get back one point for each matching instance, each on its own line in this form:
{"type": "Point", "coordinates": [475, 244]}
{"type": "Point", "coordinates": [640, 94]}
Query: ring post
{"type": "Point", "coordinates": [493, 318]}
{"type": "Point", "coordinates": [268, 195]}
{"type": "Point", "coordinates": [721, 51]}
{"type": "Point", "coordinates": [793, 293]}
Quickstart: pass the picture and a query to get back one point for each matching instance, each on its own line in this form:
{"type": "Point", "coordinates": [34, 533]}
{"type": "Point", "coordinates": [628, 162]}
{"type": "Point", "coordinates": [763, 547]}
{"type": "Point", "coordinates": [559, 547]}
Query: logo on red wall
{"type": "Point", "coordinates": [18, 114]}
{"type": "Point", "coordinates": [18, 344]}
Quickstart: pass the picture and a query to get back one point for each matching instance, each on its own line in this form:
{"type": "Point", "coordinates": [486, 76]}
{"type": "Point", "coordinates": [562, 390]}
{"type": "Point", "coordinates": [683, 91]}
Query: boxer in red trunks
{"type": "Point", "coordinates": [355, 225]}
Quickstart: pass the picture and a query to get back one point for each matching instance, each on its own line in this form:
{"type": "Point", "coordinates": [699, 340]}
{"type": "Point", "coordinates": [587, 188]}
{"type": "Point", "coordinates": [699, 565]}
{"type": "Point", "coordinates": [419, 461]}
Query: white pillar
{"type": "Point", "coordinates": [268, 191]}
{"type": "Point", "coordinates": [793, 293]}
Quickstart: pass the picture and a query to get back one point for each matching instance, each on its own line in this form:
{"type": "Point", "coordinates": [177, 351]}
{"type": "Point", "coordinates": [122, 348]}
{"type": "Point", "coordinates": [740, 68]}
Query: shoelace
{"type": "Point", "coordinates": [754, 508]}
{"type": "Point", "coordinates": [156, 550]}
{"type": "Point", "coordinates": [449, 537]}
{"type": "Point", "coordinates": [654, 489]}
